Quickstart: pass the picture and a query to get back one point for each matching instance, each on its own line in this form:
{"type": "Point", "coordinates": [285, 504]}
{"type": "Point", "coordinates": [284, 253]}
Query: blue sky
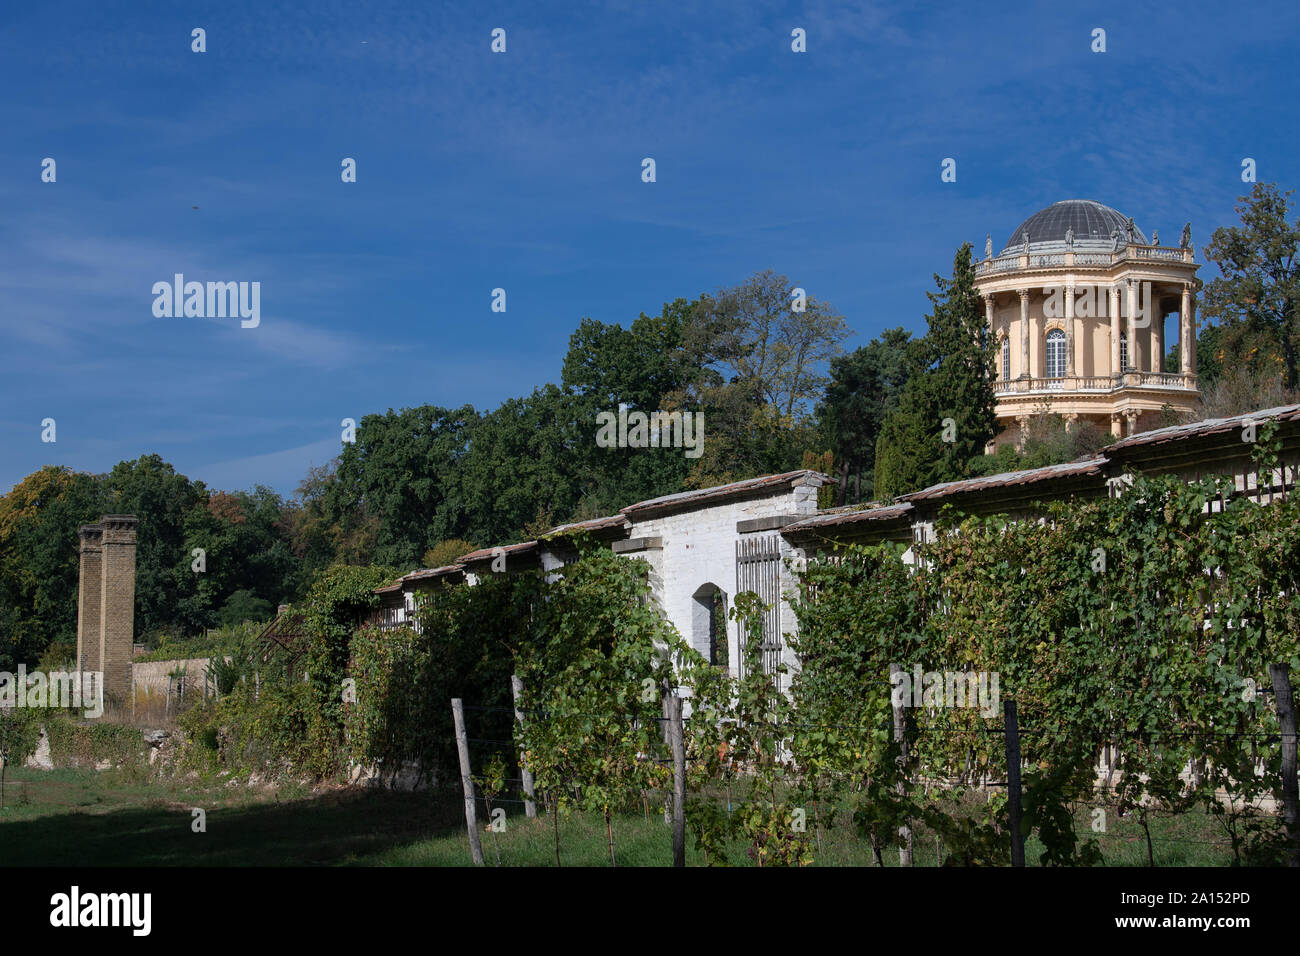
{"type": "Point", "coordinates": [522, 171]}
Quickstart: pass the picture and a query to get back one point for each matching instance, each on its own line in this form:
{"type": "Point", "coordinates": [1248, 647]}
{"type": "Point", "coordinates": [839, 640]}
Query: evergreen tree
{"type": "Point", "coordinates": [946, 414]}
{"type": "Point", "coordinates": [865, 386]}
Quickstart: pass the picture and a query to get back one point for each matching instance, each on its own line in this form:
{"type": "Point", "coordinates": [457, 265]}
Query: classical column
{"type": "Point", "coordinates": [1132, 327]}
{"type": "Point", "coordinates": [1024, 333]}
{"type": "Point", "coordinates": [1114, 338]}
{"type": "Point", "coordinates": [1157, 333]}
{"type": "Point", "coordinates": [988, 312]}
{"type": "Point", "coordinates": [1131, 416]}
{"type": "Point", "coordinates": [1023, 422]}
{"type": "Point", "coordinates": [1116, 425]}
{"type": "Point", "coordinates": [1069, 331]}
{"type": "Point", "coordinates": [1186, 332]}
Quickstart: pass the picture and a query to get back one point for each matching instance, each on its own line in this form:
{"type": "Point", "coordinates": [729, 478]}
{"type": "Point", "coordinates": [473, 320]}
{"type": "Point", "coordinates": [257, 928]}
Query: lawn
{"type": "Point", "coordinates": [87, 818]}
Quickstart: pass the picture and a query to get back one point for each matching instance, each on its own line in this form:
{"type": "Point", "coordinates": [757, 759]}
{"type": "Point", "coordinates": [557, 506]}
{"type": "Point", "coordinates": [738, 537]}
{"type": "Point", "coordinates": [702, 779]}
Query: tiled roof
{"type": "Point", "coordinates": [592, 524]}
{"type": "Point", "coordinates": [420, 575]}
{"type": "Point", "coordinates": [735, 489]}
{"type": "Point", "coordinates": [1211, 426]}
{"type": "Point", "coordinates": [1086, 466]}
{"type": "Point", "coordinates": [433, 572]}
{"type": "Point", "coordinates": [845, 516]}
{"type": "Point", "coordinates": [484, 554]}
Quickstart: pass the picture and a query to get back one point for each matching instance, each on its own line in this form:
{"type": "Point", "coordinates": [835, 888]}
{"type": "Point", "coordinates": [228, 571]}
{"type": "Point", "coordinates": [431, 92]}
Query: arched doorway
{"type": "Point", "coordinates": [709, 624]}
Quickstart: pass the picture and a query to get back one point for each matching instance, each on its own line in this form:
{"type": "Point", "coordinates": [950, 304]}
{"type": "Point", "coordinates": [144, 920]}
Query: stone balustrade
{"type": "Point", "coordinates": [1096, 383]}
{"type": "Point", "coordinates": [1054, 260]}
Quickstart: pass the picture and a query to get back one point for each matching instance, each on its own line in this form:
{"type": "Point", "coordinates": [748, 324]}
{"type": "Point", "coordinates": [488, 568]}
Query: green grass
{"type": "Point", "coordinates": [81, 817]}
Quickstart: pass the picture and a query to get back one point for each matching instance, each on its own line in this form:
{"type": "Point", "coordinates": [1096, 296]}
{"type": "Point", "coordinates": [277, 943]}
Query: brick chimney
{"type": "Point", "coordinates": [106, 602]}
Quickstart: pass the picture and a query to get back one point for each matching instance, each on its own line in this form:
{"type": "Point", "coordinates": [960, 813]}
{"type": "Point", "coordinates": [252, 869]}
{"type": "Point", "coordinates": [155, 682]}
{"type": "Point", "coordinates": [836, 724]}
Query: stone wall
{"type": "Point", "coordinates": [153, 675]}
{"type": "Point", "coordinates": [695, 547]}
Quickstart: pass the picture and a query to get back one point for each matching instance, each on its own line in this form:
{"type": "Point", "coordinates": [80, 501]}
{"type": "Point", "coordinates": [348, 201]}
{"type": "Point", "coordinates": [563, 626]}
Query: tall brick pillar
{"type": "Point", "coordinates": [88, 597]}
{"type": "Point", "coordinates": [117, 603]}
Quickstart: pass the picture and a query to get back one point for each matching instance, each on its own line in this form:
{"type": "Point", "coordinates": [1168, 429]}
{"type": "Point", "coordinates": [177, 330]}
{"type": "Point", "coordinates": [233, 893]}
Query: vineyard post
{"type": "Point", "coordinates": [1280, 673]}
{"type": "Point", "coordinates": [666, 695]}
{"type": "Point", "coordinates": [466, 781]}
{"type": "Point", "coordinates": [1013, 783]}
{"type": "Point", "coordinates": [516, 691]}
{"type": "Point", "coordinates": [900, 737]}
{"type": "Point", "coordinates": [678, 739]}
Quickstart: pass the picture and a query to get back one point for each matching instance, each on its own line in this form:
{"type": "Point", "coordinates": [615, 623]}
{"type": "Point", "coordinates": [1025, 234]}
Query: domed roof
{"type": "Point", "coordinates": [1091, 221]}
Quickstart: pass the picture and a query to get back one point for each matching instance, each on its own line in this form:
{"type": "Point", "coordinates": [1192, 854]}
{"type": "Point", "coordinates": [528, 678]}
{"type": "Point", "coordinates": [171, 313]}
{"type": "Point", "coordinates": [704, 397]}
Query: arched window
{"type": "Point", "coordinates": [708, 624]}
{"type": "Point", "coordinates": [1123, 351]}
{"type": "Point", "coordinates": [1006, 360]}
{"type": "Point", "coordinates": [1056, 354]}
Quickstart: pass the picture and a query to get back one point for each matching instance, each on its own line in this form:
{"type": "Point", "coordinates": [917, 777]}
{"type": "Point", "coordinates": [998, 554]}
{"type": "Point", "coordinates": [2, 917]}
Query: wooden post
{"type": "Point", "coordinates": [666, 695]}
{"type": "Point", "coordinates": [1013, 783]}
{"type": "Point", "coordinates": [516, 691]}
{"type": "Point", "coordinates": [1280, 673]}
{"type": "Point", "coordinates": [677, 738]}
{"type": "Point", "coordinates": [466, 781]}
{"type": "Point", "coordinates": [900, 736]}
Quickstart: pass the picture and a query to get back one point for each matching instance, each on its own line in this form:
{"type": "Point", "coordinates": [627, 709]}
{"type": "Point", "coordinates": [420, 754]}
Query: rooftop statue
{"type": "Point", "coordinates": [988, 246]}
{"type": "Point", "coordinates": [1186, 241]}
{"type": "Point", "coordinates": [1069, 237]}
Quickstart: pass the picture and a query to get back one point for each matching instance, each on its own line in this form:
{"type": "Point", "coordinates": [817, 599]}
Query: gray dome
{"type": "Point", "coordinates": [1091, 221]}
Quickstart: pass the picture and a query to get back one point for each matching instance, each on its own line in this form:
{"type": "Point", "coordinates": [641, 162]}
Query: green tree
{"type": "Point", "coordinates": [246, 547]}
{"type": "Point", "coordinates": [404, 470]}
{"type": "Point", "coordinates": [753, 333]}
{"type": "Point", "coordinates": [761, 367]}
{"type": "Point", "coordinates": [447, 552]}
{"type": "Point", "coordinates": [519, 462]}
{"type": "Point", "coordinates": [646, 368]}
{"type": "Point", "coordinates": [865, 386]}
{"type": "Point", "coordinates": [945, 415]}
{"type": "Point", "coordinates": [318, 532]}
{"type": "Point", "coordinates": [167, 592]}
{"type": "Point", "coordinates": [1048, 441]}
{"type": "Point", "coordinates": [244, 605]}
{"type": "Point", "coordinates": [39, 561]}
{"type": "Point", "coordinates": [1256, 299]}
{"type": "Point", "coordinates": [637, 366]}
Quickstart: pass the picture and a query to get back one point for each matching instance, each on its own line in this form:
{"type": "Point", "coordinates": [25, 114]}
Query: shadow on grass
{"type": "Point", "coordinates": [327, 830]}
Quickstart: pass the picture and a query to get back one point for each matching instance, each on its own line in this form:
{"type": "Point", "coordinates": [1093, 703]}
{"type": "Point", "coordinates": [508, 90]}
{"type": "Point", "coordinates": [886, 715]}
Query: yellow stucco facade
{"type": "Point", "coordinates": [1078, 317]}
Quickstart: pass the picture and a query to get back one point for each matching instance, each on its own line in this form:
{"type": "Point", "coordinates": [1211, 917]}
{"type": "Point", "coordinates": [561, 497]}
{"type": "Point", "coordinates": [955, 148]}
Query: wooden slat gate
{"type": "Point", "coordinates": [758, 569]}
